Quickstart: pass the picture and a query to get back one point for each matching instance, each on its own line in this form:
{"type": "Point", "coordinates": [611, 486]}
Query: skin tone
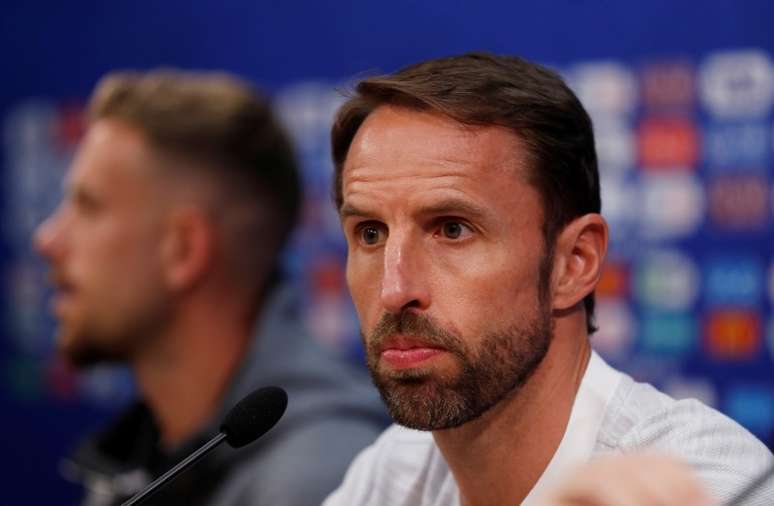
{"type": "Point", "coordinates": [440, 222]}
{"type": "Point", "coordinates": [136, 260]}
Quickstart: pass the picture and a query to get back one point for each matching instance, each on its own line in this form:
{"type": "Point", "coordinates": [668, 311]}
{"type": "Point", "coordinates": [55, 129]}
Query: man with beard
{"type": "Point", "coordinates": [468, 193]}
{"type": "Point", "coordinates": [164, 253]}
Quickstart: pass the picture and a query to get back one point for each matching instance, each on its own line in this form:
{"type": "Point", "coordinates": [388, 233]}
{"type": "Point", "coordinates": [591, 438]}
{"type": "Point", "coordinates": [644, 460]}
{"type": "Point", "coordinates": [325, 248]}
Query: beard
{"type": "Point", "coordinates": [108, 337]}
{"type": "Point", "coordinates": [421, 399]}
{"type": "Point", "coordinates": [85, 351]}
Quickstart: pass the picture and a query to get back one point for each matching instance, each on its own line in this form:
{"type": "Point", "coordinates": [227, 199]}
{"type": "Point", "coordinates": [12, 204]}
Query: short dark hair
{"type": "Point", "coordinates": [215, 119]}
{"type": "Point", "coordinates": [484, 89]}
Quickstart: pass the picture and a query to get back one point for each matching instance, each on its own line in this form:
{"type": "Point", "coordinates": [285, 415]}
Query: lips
{"type": "Point", "coordinates": [59, 280]}
{"type": "Point", "coordinates": [63, 293]}
{"type": "Point", "coordinates": [402, 352]}
{"type": "Point", "coordinates": [61, 301]}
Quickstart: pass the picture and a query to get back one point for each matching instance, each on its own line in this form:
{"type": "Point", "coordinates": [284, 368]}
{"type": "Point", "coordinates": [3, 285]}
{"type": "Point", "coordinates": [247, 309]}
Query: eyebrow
{"type": "Point", "coordinates": [454, 206]}
{"type": "Point", "coordinates": [348, 210]}
{"type": "Point", "coordinates": [450, 206]}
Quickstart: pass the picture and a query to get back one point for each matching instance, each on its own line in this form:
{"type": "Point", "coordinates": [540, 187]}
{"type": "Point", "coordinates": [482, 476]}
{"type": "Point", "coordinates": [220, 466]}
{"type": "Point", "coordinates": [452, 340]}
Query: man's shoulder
{"type": "Point", "coordinates": [640, 416]}
{"type": "Point", "coordinates": [724, 453]}
{"type": "Point", "coordinates": [333, 412]}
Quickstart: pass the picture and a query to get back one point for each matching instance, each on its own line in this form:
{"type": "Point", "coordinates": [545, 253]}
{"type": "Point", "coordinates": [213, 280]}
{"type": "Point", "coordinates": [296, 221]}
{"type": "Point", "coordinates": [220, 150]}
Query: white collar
{"type": "Point", "coordinates": [596, 389]}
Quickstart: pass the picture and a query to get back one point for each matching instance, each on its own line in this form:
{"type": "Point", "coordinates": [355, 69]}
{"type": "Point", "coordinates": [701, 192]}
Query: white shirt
{"type": "Point", "coordinates": [611, 413]}
{"type": "Point", "coordinates": [597, 388]}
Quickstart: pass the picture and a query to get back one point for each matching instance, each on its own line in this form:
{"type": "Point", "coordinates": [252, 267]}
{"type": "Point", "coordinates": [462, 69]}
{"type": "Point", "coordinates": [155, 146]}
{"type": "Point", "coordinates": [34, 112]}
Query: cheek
{"type": "Point", "coordinates": [486, 284]}
{"type": "Point", "coordinates": [364, 280]}
{"type": "Point", "coordinates": [134, 291]}
{"type": "Point", "coordinates": [124, 257]}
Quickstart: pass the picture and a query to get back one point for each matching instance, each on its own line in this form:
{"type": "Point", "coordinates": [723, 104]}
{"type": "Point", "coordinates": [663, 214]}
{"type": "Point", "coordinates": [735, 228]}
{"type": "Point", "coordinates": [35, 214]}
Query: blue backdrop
{"type": "Point", "coordinates": [680, 92]}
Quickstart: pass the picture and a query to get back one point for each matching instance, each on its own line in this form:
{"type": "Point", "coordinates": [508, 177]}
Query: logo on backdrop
{"type": "Point", "coordinates": [671, 205]}
{"type": "Point", "coordinates": [734, 280]}
{"type": "Point", "coordinates": [738, 202]}
{"type": "Point", "coordinates": [668, 334]}
{"type": "Point", "coordinates": [737, 147]}
{"type": "Point", "coordinates": [737, 84]}
{"type": "Point", "coordinates": [668, 143]}
{"type": "Point", "coordinates": [732, 334]}
{"type": "Point", "coordinates": [666, 280]}
{"type": "Point", "coordinates": [752, 405]}
{"type": "Point", "coordinates": [668, 86]}
{"type": "Point", "coordinates": [604, 88]}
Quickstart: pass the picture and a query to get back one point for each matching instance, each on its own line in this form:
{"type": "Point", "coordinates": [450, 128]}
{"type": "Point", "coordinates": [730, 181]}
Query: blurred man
{"type": "Point", "coordinates": [468, 192]}
{"type": "Point", "coordinates": [164, 253]}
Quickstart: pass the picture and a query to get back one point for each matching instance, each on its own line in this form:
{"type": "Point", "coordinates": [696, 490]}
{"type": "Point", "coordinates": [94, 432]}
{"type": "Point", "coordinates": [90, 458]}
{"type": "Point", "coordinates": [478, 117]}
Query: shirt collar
{"type": "Point", "coordinates": [596, 390]}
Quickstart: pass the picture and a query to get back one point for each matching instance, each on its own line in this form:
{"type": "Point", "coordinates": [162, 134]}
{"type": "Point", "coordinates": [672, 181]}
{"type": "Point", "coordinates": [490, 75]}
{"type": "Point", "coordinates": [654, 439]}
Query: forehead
{"type": "Point", "coordinates": [407, 152]}
{"type": "Point", "coordinates": [111, 153]}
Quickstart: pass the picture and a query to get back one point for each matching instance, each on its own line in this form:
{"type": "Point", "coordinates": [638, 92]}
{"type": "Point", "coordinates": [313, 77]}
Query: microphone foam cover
{"type": "Point", "coordinates": [254, 415]}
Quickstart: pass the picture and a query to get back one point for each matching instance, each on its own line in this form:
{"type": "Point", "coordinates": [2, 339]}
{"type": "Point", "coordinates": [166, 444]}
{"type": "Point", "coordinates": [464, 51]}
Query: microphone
{"type": "Point", "coordinates": [249, 419]}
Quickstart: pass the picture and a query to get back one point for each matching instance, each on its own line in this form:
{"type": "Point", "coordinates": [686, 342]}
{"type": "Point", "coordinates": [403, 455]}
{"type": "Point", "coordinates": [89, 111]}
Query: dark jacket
{"type": "Point", "coordinates": [333, 412]}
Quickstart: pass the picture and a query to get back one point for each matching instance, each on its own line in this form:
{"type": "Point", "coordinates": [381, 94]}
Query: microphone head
{"type": "Point", "coordinates": [254, 415]}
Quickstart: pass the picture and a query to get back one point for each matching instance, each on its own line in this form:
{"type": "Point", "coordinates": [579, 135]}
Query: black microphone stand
{"type": "Point", "coordinates": [172, 473]}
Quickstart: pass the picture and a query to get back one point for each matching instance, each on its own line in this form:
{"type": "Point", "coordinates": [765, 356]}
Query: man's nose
{"type": "Point", "coordinates": [48, 239]}
{"type": "Point", "coordinates": [403, 282]}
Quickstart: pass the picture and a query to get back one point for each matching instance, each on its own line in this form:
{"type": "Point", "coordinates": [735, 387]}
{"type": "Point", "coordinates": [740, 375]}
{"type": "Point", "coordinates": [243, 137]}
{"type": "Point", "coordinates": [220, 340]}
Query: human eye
{"type": "Point", "coordinates": [85, 203]}
{"type": "Point", "coordinates": [370, 233]}
{"type": "Point", "coordinates": [453, 229]}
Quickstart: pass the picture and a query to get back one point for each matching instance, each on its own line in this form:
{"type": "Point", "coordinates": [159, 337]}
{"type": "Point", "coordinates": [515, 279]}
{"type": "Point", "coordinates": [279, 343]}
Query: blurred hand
{"type": "Point", "coordinates": [629, 480]}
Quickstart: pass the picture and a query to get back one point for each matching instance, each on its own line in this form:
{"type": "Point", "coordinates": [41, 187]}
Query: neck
{"type": "Point", "coordinates": [183, 376]}
{"type": "Point", "coordinates": [497, 458]}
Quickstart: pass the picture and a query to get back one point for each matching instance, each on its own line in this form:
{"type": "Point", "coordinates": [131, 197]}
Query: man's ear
{"type": "Point", "coordinates": [187, 247]}
{"type": "Point", "coordinates": [578, 257]}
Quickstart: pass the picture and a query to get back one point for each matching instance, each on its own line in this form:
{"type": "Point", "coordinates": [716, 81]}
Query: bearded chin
{"type": "Point", "coordinates": [86, 356]}
{"type": "Point", "coordinates": [90, 345]}
{"type": "Point", "coordinates": [83, 352]}
{"type": "Point", "coordinates": [425, 403]}
{"type": "Point", "coordinates": [423, 400]}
